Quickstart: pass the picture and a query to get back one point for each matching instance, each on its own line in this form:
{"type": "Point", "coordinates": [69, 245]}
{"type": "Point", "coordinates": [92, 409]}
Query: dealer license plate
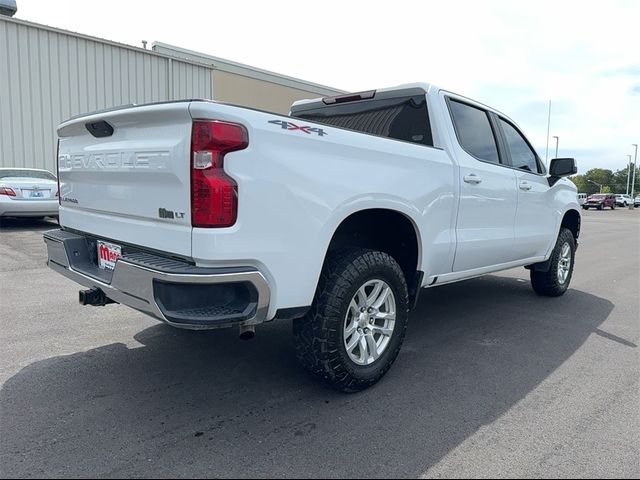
{"type": "Point", "coordinates": [108, 253]}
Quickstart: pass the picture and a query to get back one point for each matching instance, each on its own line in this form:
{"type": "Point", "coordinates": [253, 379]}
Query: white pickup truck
{"type": "Point", "coordinates": [206, 215]}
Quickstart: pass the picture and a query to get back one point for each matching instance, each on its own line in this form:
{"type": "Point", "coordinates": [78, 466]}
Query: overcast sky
{"type": "Point", "coordinates": [512, 55]}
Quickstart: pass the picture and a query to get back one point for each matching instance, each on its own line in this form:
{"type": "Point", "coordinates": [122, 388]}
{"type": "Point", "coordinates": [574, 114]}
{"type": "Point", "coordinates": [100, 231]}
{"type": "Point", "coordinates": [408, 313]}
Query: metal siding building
{"type": "Point", "coordinates": [249, 86]}
{"type": "Point", "coordinates": [48, 75]}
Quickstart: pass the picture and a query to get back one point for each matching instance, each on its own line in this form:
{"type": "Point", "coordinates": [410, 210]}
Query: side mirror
{"type": "Point", "coordinates": [563, 167]}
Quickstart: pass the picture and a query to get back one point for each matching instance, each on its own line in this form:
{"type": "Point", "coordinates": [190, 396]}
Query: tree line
{"type": "Point", "coordinates": [612, 182]}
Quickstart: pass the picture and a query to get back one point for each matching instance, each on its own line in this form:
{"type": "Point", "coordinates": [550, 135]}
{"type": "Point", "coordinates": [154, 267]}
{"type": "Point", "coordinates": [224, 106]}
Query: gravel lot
{"type": "Point", "coordinates": [492, 381]}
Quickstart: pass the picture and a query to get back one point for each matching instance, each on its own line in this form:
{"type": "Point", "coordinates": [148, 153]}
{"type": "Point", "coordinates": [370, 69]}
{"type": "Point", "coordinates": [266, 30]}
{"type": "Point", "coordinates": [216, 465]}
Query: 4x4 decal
{"type": "Point", "coordinates": [304, 128]}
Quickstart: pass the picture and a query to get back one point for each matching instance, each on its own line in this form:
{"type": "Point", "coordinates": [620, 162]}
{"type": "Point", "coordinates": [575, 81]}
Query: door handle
{"type": "Point", "coordinates": [472, 178]}
{"type": "Point", "coordinates": [525, 186]}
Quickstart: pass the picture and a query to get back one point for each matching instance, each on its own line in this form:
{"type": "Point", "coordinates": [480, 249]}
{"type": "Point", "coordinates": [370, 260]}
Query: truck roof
{"type": "Point", "coordinates": [389, 92]}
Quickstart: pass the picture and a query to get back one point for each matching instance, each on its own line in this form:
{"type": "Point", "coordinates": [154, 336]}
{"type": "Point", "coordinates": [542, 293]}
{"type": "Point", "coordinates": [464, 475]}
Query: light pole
{"type": "Point", "coordinates": [628, 173]}
{"type": "Point", "coordinates": [557, 141]}
{"type": "Point", "coordinates": [595, 183]}
{"type": "Point", "coordinates": [635, 171]}
{"type": "Point", "coordinates": [546, 159]}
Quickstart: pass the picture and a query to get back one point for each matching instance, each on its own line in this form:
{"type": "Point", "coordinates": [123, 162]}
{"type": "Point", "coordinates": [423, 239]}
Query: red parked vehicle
{"type": "Point", "coordinates": [600, 201]}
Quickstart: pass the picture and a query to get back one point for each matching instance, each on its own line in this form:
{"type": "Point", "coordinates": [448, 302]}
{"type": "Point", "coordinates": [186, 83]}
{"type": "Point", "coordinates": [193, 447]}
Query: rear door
{"type": "Point", "coordinates": [488, 199]}
{"type": "Point", "coordinates": [125, 176]}
{"type": "Point", "coordinates": [535, 223]}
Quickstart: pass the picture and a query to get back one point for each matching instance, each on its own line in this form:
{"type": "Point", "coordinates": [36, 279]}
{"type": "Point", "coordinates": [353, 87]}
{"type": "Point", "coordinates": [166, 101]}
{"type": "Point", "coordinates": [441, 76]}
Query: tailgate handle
{"type": "Point", "coordinates": [99, 129]}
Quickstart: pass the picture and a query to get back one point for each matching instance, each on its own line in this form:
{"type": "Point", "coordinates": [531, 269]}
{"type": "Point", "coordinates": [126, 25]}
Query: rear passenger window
{"type": "Point", "coordinates": [474, 131]}
{"type": "Point", "coordinates": [522, 156]}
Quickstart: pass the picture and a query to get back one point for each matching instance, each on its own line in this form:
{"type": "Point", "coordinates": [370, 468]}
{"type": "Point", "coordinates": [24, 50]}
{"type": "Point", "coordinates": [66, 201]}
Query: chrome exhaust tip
{"type": "Point", "coordinates": [247, 332]}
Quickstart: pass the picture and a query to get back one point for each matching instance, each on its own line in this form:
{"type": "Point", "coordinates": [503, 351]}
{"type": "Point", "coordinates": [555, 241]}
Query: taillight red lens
{"type": "Point", "coordinates": [7, 191]}
{"type": "Point", "coordinates": [214, 195]}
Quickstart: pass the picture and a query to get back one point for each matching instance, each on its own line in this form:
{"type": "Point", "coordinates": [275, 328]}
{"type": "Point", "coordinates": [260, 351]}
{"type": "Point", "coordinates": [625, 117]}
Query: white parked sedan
{"type": "Point", "coordinates": [28, 192]}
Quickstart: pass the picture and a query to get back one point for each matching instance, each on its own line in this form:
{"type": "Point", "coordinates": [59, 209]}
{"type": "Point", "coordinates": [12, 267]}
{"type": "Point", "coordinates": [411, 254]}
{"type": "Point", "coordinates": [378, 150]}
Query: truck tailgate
{"type": "Point", "coordinates": [125, 176]}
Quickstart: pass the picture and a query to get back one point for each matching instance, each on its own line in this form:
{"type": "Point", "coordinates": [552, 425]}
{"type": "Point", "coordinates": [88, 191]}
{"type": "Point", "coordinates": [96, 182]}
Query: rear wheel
{"type": "Point", "coordinates": [555, 281]}
{"type": "Point", "coordinates": [586, 208]}
{"type": "Point", "coordinates": [357, 323]}
{"type": "Point", "coordinates": [613, 207]}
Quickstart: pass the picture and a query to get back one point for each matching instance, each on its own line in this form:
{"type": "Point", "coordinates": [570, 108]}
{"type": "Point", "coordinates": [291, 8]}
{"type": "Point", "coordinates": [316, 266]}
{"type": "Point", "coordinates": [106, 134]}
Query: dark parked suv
{"type": "Point", "coordinates": [600, 201]}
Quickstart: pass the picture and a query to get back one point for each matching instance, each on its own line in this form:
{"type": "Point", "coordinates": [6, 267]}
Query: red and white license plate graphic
{"type": "Point", "coordinates": [108, 253]}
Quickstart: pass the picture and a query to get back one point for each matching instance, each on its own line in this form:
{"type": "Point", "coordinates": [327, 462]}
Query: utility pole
{"type": "Point", "coordinates": [628, 174]}
{"type": "Point", "coordinates": [548, 130]}
{"type": "Point", "coordinates": [635, 171]}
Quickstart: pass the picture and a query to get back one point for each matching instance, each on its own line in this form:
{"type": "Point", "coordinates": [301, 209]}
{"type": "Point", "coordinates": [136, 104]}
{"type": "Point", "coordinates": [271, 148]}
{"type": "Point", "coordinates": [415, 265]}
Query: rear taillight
{"type": "Point", "coordinates": [7, 191]}
{"type": "Point", "coordinates": [214, 195]}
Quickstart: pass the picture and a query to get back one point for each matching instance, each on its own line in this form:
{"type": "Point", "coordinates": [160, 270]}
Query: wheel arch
{"type": "Point", "coordinates": [399, 237]}
{"type": "Point", "coordinates": [573, 221]}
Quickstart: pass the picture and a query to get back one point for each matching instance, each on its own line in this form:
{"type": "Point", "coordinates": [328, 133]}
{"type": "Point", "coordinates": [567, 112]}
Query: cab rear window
{"type": "Point", "coordinates": [401, 118]}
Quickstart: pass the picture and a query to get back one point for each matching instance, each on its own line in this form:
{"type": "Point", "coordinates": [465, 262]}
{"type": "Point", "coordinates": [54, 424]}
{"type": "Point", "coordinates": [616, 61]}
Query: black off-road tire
{"type": "Point", "coordinates": [319, 335]}
{"type": "Point", "coordinates": [547, 283]}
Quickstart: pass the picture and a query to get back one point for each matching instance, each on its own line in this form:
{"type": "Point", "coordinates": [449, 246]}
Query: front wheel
{"type": "Point", "coordinates": [613, 207]}
{"type": "Point", "coordinates": [555, 281]}
{"type": "Point", "coordinates": [357, 323]}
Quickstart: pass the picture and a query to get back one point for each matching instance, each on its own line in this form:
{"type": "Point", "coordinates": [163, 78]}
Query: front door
{"type": "Point", "coordinates": [535, 219]}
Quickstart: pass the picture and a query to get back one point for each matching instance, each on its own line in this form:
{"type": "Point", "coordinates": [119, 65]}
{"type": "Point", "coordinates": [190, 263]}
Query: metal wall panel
{"type": "Point", "coordinates": [49, 75]}
{"type": "Point", "coordinates": [248, 71]}
{"type": "Point", "coordinates": [191, 81]}
{"type": "Point", "coordinates": [249, 86]}
{"type": "Point", "coordinates": [250, 92]}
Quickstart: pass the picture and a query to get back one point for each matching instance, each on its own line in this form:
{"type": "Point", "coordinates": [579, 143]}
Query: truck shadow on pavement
{"type": "Point", "coordinates": [205, 404]}
{"type": "Point", "coordinates": [29, 224]}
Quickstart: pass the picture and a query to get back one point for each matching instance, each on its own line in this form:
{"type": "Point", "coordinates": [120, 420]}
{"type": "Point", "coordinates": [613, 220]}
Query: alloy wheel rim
{"type": "Point", "coordinates": [564, 264]}
{"type": "Point", "coordinates": [369, 322]}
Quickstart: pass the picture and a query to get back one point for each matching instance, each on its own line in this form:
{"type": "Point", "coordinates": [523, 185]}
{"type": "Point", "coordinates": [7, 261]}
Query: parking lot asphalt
{"type": "Point", "coordinates": [492, 381]}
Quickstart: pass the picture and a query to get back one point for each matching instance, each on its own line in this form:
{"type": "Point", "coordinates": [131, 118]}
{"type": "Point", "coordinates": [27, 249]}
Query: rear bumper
{"type": "Point", "coordinates": [170, 290]}
{"type": "Point", "coordinates": [28, 208]}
